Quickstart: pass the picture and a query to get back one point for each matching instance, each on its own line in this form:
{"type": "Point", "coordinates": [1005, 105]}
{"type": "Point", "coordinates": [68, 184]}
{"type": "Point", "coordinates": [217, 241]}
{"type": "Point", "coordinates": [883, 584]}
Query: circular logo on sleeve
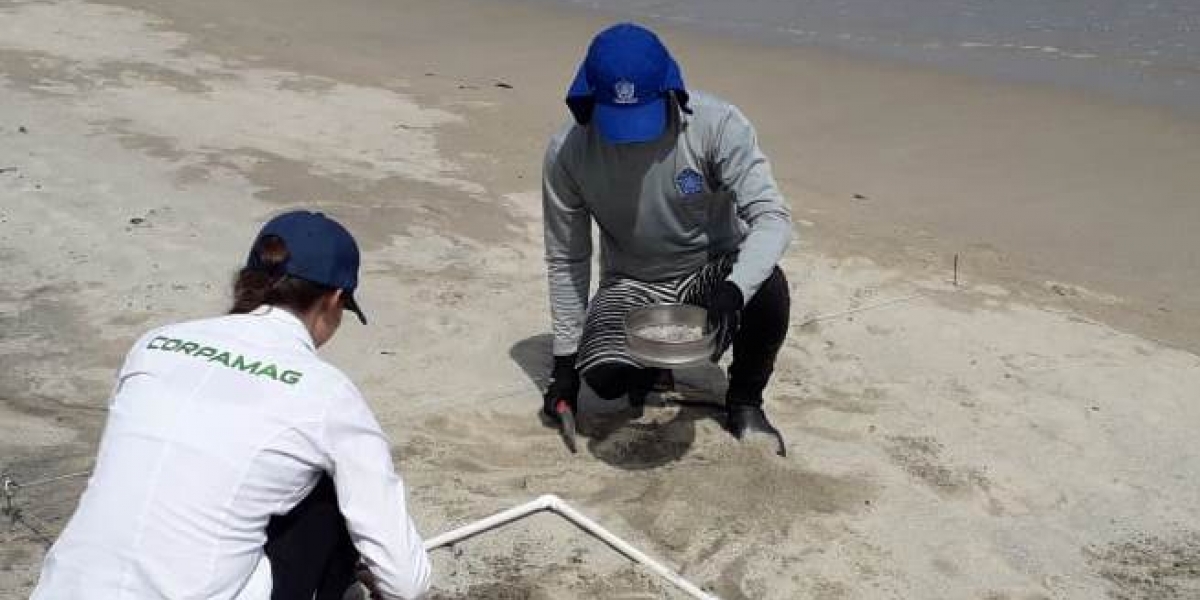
{"type": "Point", "coordinates": [689, 182]}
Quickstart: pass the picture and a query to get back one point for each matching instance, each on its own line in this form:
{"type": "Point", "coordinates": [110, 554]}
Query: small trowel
{"type": "Point", "coordinates": [566, 420]}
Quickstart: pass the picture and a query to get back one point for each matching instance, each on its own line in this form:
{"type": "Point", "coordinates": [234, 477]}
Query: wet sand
{"type": "Point", "coordinates": [1026, 433]}
{"type": "Point", "coordinates": [1030, 186]}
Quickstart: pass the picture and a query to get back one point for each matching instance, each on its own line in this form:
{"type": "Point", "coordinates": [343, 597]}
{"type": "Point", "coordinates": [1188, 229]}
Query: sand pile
{"type": "Point", "coordinates": [671, 333]}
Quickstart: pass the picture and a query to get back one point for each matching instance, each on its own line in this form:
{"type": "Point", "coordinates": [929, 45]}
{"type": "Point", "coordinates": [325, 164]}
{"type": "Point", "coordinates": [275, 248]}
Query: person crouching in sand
{"type": "Point", "coordinates": [235, 462]}
{"type": "Point", "coordinates": [687, 211]}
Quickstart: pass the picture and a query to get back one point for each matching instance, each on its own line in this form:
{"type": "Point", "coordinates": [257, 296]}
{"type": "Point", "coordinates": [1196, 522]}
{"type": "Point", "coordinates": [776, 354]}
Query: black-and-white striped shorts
{"type": "Point", "coordinates": [603, 339]}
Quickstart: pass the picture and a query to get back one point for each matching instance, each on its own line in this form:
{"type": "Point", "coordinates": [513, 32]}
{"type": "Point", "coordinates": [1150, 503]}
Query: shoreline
{"type": "Point", "coordinates": [1029, 185]}
{"type": "Point", "coordinates": [1113, 71]}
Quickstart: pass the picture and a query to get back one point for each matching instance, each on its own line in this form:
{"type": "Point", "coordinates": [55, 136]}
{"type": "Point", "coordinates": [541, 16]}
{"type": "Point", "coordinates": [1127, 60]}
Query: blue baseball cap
{"type": "Point", "coordinates": [320, 250]}
{"type": "Point", "coordinates": [623, 84]}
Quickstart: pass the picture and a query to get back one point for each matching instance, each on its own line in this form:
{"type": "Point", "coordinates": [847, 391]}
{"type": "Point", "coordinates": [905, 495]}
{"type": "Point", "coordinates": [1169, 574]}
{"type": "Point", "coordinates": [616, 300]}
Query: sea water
{"type": "Point", "coordinates": [1142, 51]}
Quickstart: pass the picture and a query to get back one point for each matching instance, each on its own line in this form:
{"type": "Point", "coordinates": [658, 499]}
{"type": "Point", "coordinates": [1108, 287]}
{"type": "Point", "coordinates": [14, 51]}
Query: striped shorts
{"type": "Point", "coordinates": [603, 339]}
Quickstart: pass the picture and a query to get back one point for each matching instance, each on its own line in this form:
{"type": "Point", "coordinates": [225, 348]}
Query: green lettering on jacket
{"type": "Point", "coordinates": [225, 358]}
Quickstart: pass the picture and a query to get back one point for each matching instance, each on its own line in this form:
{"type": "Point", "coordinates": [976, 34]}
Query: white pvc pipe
{"type": "Point", "coordinates": [492, 522]}
{"type": "Point", "coordinates": [557, 505]}
{"type": "Point", "coordinates": [628, 550]}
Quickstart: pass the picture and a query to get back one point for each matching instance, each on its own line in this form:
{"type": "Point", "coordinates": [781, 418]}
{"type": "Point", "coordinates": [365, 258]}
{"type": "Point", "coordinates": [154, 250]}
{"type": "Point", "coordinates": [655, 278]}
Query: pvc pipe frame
{"type": "Point", "coordinates": [555, 504]}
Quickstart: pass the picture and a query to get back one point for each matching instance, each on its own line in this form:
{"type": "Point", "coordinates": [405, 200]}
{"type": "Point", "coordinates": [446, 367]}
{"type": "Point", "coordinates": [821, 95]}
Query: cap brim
{"type": "Point", "coordinates": [631, 124]}
{"type": "Point", "coordinates": [352, 306]}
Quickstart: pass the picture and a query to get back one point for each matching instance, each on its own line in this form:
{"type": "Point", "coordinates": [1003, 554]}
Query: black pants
{"type": "Point", "coordinates": [755, 346]}
{"type": "Point", "coordinates": [310, 549]}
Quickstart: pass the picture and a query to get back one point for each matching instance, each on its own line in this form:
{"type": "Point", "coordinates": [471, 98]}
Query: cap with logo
{"type": "Point", "coordinates": [623, 84]}
{"type": "Point", "coordinates": [320, 250]}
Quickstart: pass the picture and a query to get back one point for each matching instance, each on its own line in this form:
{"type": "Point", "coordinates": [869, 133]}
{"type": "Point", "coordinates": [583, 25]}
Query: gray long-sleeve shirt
{"type": "Point", "coordinates": [664, 208]}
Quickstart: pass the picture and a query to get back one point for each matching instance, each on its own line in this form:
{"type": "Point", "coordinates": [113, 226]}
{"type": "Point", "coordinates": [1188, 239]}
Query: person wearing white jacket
{"type": "Point", "coordinates": [235, 462]}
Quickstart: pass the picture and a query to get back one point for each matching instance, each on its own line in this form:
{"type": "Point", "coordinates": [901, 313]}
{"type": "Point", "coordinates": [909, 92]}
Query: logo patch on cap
{"type": "Point", "coordinates": [689, 182]}
{"type": "Point", "coordinates": [624, 92]}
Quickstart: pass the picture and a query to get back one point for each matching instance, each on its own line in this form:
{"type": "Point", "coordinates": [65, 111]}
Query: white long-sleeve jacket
{"type": "Point", "coordinates": [215, 426]}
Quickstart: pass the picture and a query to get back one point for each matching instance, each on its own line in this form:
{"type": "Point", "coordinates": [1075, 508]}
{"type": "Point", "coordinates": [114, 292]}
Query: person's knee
{"type": "Point", "coordinates": [609, 380]}
{"type": "Point", "coordinates": [770, 308]}
{"type": "Point", "coordinates": [774, 292]}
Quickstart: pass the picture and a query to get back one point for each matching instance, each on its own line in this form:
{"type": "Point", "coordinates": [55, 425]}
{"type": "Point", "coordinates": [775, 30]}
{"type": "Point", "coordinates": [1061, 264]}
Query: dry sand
{"type": "Point", "coordinates": [1019, 436]}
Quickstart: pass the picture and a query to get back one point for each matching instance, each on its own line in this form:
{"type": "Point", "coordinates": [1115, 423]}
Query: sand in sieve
{"type": "Point", "coordinates": [671, 333]}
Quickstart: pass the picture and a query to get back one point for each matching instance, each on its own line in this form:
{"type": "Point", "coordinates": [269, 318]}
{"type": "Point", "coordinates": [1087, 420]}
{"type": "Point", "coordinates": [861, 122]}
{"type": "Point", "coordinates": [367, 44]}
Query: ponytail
{"type": "Point", "coordinates": [267, 282]}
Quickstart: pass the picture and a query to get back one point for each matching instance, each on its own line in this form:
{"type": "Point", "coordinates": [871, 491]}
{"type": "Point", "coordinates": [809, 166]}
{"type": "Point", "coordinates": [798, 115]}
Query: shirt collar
{"type": "Point", "coordinates": [288, 322]}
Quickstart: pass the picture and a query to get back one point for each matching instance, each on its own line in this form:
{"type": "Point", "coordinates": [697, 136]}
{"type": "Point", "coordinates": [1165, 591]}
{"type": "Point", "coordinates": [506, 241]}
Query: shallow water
{"type": "Point", "coordinates": [1145, 51]}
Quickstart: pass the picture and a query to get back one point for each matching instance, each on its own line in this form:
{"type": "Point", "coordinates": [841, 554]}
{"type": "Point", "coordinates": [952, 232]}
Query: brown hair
{"type": "Point", "coordinates": [268, 283]}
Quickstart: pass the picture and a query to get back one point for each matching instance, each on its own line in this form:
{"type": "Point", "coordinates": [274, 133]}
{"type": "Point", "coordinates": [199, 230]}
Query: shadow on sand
{"type": "Point", "coordinates": [625, 436]}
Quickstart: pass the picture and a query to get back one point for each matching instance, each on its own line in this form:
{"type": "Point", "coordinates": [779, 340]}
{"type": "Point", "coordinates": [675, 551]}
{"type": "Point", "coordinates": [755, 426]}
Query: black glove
{"type": "Point", "coordinates": [564, 386]}
{"type": "Point", "coordinates": [725, 315]}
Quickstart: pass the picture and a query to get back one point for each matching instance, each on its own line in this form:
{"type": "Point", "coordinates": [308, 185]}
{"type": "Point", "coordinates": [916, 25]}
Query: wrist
{"type": "Point", "coordinates": [565, 361]}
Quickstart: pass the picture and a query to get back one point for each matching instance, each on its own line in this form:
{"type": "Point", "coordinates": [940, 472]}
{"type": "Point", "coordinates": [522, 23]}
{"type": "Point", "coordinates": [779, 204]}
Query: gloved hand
{"type": "Point", "coordinates": [368, 580]}
{"type": "Point", "coordinates": [725, 315]}
{"type": "Point", "coordinates": [564, 386]}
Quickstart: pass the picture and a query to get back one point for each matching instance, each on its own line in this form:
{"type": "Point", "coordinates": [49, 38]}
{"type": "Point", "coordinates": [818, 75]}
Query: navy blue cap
{"type": "Point", "coordinates": [623, 85]}
{"type": "Point", "coordinates": [320, 250]}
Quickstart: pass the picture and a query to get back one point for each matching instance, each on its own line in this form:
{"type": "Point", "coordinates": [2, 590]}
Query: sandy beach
{"type": "Point", "coordinates": [1025, 432]}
